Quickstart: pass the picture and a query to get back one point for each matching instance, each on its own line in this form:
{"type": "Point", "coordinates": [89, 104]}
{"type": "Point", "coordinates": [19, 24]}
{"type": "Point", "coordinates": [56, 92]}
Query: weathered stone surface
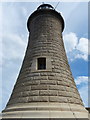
{"type": "Point", "coordinates": [38, 99]}
{"type": "Point", "coordinates": [39, 87]}
{"type": "Point", "coordinates": [54, 84]}
{"type": "Point", "coordinates": [48, 82]}
{"type": "Point", "coordinates": [56, 87]}
{"type": "Point", "coordinates": [58, 99]}
{"type": "Point", "coordinates": [48, 93]}
{"type": "Point", "coordinates": [30, 93]}
{"type": "Point", "coordinates": [51, 92]}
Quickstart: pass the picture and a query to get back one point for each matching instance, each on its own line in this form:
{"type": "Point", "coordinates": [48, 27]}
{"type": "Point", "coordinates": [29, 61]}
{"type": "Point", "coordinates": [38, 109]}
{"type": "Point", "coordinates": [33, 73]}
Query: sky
{"type": "Point", "coordinates": [14, 38]}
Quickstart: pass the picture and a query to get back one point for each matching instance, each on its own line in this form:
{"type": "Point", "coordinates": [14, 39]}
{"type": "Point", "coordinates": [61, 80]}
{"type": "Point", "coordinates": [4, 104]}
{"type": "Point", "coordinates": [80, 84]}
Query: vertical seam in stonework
{"type": "Point", "coordinates": [70, 106]}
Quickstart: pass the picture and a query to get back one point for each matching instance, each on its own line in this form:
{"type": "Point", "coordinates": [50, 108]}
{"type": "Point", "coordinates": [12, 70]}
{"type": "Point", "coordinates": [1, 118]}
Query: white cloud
{"type": "Point", "coordinates": [24, 11]}
{"type": "Point", "coordinates": [76, 48]}
{"type": "Point", "coordinates": [0, 17]}
{"type": "Point", "coordinates": [81, 79]}
{"type": "Point", "coordinates": [81, 56]}
{"type": "Point", "coordinates": [13, 42]}
{"type": "Point", "coordinates": [0, 52]}
{"type": "Point", "coordinates": [70, 41]}
{"type": "Point", "coordinates": [13, 46]}
{"type": "Point", "coordinates": [89, 47]}
{"type": "Point", "coordinates": [8, 85]}
{"type": "Point", "coordinates": [14, 37]}
{"type": "Point", "coordinates": [83, 45]}
{"type": "Point", "coordinates": [10, 18]}
{"type": "Point", "coordinates": [84, 94]}
{"type": "Point", "coordinates": [0, 89]}
{"type": "Point", "coordinates": [0, 35]}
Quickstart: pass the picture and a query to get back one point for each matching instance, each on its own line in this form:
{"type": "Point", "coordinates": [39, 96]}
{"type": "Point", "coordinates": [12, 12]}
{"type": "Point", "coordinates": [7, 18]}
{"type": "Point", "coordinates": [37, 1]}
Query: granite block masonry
{"type": "Point", "coordinates": [45, 87]}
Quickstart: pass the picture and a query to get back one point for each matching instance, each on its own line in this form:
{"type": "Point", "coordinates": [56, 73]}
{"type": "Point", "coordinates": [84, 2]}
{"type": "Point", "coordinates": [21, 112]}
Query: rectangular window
{"type": "Point", "coordinates": [41, 63]}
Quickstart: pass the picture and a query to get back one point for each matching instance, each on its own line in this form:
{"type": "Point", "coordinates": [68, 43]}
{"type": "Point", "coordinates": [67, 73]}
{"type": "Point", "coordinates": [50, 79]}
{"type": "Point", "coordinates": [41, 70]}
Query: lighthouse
{"type": "Point", "coordinates": [45, 87]}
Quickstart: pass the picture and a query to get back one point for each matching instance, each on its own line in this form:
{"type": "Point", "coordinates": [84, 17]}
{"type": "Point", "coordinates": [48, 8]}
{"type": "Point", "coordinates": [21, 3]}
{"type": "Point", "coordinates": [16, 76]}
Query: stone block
{"type": "Point", "coordinates": [58, 99]}
{"type": "Point", "coordinates": [43, 74]}
{"type": "Point", "coordinates": [48, 93]}
{"type": "Point", "coordinates": [61, 93]}
{"type": "Point", "coordinates": [38, 99]}
{"type": "Point", "coordinates": [30, 93]}
{"type": "Point", "coordinates": [31, 82]}
{"type": "Point", "coordinates": [39, 87]}
{"type": "Point", "coordinates": [51, 77]}
{"type": "Point", "coordinates": [22, 88]}
{"type": "Point", "coordinates": [48, 82]}
{"type": "Point", "coordinates": [56, 87]}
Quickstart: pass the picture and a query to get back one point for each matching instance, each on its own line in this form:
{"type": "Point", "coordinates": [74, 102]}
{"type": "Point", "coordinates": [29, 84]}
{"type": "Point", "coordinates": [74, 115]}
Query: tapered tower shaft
{"type": "Point", "coordinates": [45, 87]}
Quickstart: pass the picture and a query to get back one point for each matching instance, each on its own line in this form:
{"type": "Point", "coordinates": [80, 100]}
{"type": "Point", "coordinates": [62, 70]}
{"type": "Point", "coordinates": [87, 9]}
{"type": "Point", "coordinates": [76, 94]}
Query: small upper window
{"type": "Point", "coordinates": [41, 63]}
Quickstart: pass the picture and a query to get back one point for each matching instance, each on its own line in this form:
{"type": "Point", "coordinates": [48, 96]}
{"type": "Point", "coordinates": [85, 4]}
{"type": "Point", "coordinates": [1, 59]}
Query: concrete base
{"type": "Point", "coordinates": [45, 110]}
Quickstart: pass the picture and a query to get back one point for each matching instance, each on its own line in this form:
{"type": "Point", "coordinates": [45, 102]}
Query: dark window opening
{"type": "Point", "coordinates": [41, 63]}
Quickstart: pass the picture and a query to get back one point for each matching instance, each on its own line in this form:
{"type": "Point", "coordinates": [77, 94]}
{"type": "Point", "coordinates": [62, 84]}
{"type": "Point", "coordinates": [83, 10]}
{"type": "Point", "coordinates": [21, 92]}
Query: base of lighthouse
{"type": "Point", "coordinates": [45, 111]}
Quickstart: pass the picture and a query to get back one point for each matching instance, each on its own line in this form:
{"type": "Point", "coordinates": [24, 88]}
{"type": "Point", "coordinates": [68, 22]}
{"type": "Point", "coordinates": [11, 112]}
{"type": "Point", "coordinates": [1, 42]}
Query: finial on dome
{"type": "Point", "coordinates": [45, 6]}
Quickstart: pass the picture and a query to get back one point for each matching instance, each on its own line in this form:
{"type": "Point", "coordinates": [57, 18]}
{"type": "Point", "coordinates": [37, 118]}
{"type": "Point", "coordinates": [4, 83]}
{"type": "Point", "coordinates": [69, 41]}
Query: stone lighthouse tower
{"type": "Point", "coordinates": [45, 87]}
